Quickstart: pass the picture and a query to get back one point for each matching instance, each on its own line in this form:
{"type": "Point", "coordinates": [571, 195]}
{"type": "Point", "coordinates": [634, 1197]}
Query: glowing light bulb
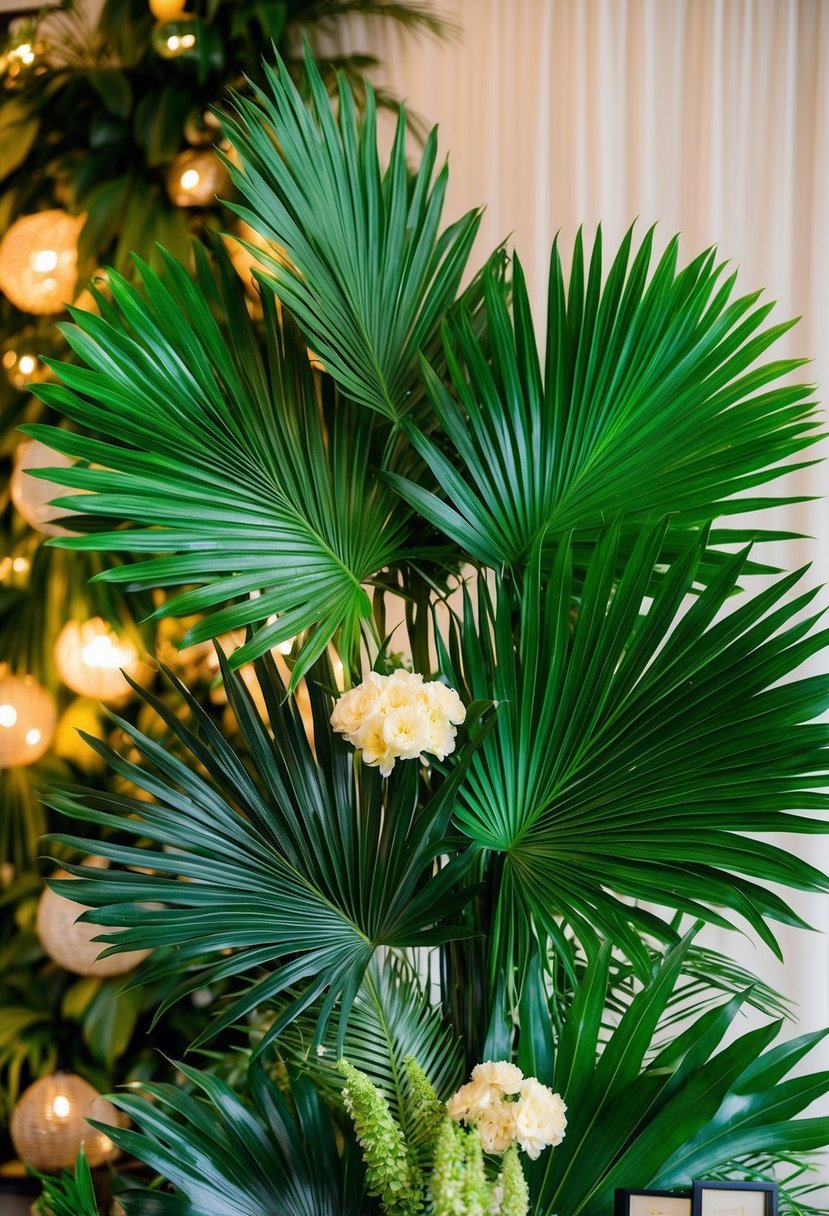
{"type": "Point", "coordinates": [190, 178]}
{"type": "Point", "coordinates": [61, 1106]}
{"type": "Point", "coordinates": [188, 41]}
{"type": "Point", "coordinates": [8, 716]}
{"type": "Point", "coordinates": [106, 652]}
{"type": "Point", "coordinates": [90, 656]}
{"type": "Point", "coordinates": [27, 364]}
{"type": "Point", "coordinates": [173, 42]}
{"type": "Point", "coordinates": [44, 260]}
{"type": "Point", "coordinates": [33, 736]}
{"type": "Point", "coordinates": [20, 565]}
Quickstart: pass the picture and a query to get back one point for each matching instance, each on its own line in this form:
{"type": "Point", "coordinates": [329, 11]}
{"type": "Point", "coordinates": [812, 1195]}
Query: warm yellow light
{"type": "Point", "coordinates": [61, 1106]}
{"type": "Point", "coordinates": [28, 717]}
{"type": "Point", "coordinates": [44, 260]}
{"type": "Point", "coordinates": [188, 41]}
{"type": "Point", "coordinates": [20, 565]}
{"type": "Point", "coordinates": [9, 359]}
{"type": "Point", "coordinates": [39, 260]}
{"type": "Point", "coordinates": [90, 656]}
{"type": "Point", "coordinates": [24, 53]}
{"type": "Point", "coordinates": [107, 653]}
{"type": "Point", "coordinates": [173, 42]}
{"type": "Point", "coordinates": [26, 364]}
{"type": "Point", "coordinates": [166, 10]}
{"type": "Point", "coordinates": [190, 178]}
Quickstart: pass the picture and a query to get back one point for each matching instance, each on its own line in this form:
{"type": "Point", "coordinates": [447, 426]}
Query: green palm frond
{"type": "Point", "coordinates": [637, 740]}
{"type": "Point", "coordinates": [221, 458]}
{"type": "Point", "coordinates": [270, 1158]}
{"type": "Point", "coordinates": [642, 1121]}
{"type": "Point", "coordinates": [372, 275]}
{"type": "Point", "coordinates": [292, 874]}
{"type": "Point", "coordinates": [68, 1195]}
{"type": "Point", "coordinates": [653, 402]}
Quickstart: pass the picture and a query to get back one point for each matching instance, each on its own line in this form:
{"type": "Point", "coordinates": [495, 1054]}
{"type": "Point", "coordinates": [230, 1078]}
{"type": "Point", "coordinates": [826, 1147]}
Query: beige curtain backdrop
{"type": "Point", "coordinates": [710, 117]}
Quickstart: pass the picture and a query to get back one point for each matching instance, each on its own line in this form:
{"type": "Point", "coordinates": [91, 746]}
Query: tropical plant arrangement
{"type": "Point", "coordinates": [449, 917]}
{"type": "Point", "coordinates": [106, 147]}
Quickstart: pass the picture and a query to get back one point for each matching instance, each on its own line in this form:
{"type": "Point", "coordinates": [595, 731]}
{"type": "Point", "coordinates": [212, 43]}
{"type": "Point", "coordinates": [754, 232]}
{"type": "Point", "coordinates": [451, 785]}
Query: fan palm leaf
{"type": "Point", "coordinates": [303, 867]}
{"type": "Point", "coordinates": [371, 275]}
{"type": "Point", "coordinates": [637, 740]}
{"type": "Point", "coordinates": [221, 458]}
{"type": "Point", "coordinates": [654, 400]}
{"type": "Point", "coordinates": [269, 1158]}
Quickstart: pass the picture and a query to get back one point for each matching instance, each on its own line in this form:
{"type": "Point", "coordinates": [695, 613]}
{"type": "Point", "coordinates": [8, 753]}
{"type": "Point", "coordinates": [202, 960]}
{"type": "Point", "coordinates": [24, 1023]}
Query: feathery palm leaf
{"type": "Point", "coordinates": [392, 1018]}
{"type": "Point", "coordinates": [224, 1156]}
{"type": "Point", "coordinates": [306, 863]}
{"type": "Point", "coordinates": [634, 745]}
{"type": "Point", "coordinates": [372, 275]}
{"type": "Point", "coordinates": [661, 1121]}
{"type": "Point", "coordinates": [221, 457]}
{"type": "Point", "coordinates": [652, 402]}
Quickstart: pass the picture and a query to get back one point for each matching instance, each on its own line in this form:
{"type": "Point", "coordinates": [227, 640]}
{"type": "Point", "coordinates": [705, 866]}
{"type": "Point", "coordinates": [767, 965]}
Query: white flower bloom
{"type": "Point", "coordinates": [447, 701]}
{"type": "Point", "coordinates": [535, 1121]}
{"type": "Point", "coordinates": [500, 1074]}
{"type": "Point", "coordinates": [539, 1118]}
{"type": "Point", "coordinates": [496, 1127]}
{"type": "Point", "coordinates": [399, 717]}
{"type": "Point", "coordinates": [405, 731]}
{"type": "Point", "coordinates": [354, 707]}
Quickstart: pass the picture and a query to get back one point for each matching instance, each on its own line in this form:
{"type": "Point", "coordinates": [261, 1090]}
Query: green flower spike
{"type": "Point", "coordinates": [515, 1200]}
{"type": "Point", "coordinates": [389, 1172]}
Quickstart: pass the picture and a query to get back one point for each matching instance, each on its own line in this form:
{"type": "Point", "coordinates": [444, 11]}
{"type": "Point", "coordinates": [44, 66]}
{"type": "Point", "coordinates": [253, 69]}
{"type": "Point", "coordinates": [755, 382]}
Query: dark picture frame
{"type": "Point", "coordinates": [631, 1201]}
{"type": "Point", "coordinates": [723, 1199]}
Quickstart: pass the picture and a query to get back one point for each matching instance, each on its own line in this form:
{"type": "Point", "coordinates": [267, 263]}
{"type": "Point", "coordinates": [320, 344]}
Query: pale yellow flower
{"type": "Point", "coordinates": [370, 740]}
{"type": "Point", "coordinates": [354, 707]}
{"type": "Point", "coordinates": [500, 1074]}
{"type": "Point", "coordinates": [406, 731]}
{"type": "Point", "coordinates": [447, 701]}
{"type": "Point", "coordinates": [398, 717]}
{"type": "Point", "coordinates": [496, 1127]}
{"type": "Point", "coordinates": [539, 1118]}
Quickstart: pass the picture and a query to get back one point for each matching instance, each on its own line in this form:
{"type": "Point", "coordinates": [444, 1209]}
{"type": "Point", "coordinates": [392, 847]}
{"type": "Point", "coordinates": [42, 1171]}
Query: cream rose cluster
{"type": "Point", "coordinates": [506, 1108]}
{"type": "Point", "coordinates": [399, 717]}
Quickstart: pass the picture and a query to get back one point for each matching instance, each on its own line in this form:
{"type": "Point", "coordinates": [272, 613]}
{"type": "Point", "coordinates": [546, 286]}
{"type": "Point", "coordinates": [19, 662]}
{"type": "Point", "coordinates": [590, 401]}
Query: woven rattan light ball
{"type": "Point", "coordinates": [90, 656]}
{"type": "Point", "coordinates": [70, 943]}
{"type": "Point", "coordinates": [39, 261]}
{"type": "Point", "coordinates": [30, 495]}
{"type": "Point", "coordinates": [28, 716]}
{"type": "Point", "coordinates": [48, 1125]}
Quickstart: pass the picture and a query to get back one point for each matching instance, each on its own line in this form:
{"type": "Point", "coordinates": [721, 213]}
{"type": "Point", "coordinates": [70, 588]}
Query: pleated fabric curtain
{"type": "Point", "coordinates": [707, 117]}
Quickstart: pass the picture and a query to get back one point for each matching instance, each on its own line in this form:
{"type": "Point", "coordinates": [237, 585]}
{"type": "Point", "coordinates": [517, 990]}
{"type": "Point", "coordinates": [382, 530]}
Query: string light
{"type": "Point", "coordinates": [39, 261]}
{"type": "Point", "coordinates": [195, 177]}
{"type": "Point", "coordinates": [49, 1123]}
{"type": "Point", "coordinates": [176, 38]}
{"type": "Point", "coordinates": [89, 657]}
{"type": "Point", "coordinates": [68, 941]}
{"type": "Point", "coordinates": [28, 717]}
{"type": "Point", "coordinates": [32, 496]}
